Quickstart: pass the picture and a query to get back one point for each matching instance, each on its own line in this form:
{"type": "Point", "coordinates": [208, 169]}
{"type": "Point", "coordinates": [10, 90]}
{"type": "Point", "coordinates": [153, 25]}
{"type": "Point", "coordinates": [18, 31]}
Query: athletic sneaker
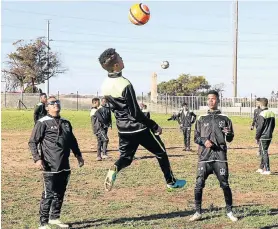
{"type": "Point", "coordinates": [232, 217]}
{"type": "Point", "coordinates": [58, 223]}
{"type": "Point", "coordinates": [259, 171]}
{"type": "Point", "coordinates": [195, 217]}
{"type": "Point", "coordinates": [110, 179]}
{"type": "Point", "coordinates": [44, 227]}
{"type": "Point", "coordinates": [266, 173]}
{"type": "Point", "coordinates": [104, 156]}
{"type": "Point", "coordinates": [177, 184]}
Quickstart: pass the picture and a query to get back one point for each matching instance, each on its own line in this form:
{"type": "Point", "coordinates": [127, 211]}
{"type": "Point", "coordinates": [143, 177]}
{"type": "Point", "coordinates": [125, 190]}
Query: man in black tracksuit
{"type": "Point", "coordinates": [101, 121]}
{"type": "Point", "coordinates": [211, 133]}
{"type": "Point", "coordinates": [40, 110]}
{"type": "Point", "coordinates": [265, 128]}
{"type": "Point", "coordinates": [134, 128]}
{"type": "Point", "coordinates": [186, 118]}
{"type": "Point", "coordinates": [257, 111]}
{"type": "Point", "coordinates": [56, 140]}
{"type": "Point", "coordinates": [145, 110]}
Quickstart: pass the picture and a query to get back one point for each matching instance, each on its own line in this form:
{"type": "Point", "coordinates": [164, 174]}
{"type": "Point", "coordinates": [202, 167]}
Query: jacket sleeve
{"type": "Point", "coordinates": [260, 123]}
{"type": "Point", "coordinates": [135, 111]}
{"type": "Point", "coordinates": [193, 119]}
{"type": "Point", "coordinates": [230, 135]}
{"type": "Point", "coordinates": [254, 118]}
{"type": "Point", "coordinates": [36, 137]}
{"type": "Point", "coordinates": [36, 113]}
{"type": "Point", "coordinates": [74, 145]}
{"type": "Point", "coordinates": [197, 136]}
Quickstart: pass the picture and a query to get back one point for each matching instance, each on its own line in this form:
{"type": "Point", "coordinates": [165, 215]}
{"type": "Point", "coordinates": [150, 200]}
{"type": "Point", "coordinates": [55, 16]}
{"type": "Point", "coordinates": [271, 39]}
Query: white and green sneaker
{"type": "Point", "coordinates": [58, 223]}
{"type": "Point", "coordinates": [232, 217]}
{"type": "Point", "coordinates": [110, 179]}
{"type": "Point", "coordinates": [195, 217]}
{"type": "Point", "coordinates": [177, 184]}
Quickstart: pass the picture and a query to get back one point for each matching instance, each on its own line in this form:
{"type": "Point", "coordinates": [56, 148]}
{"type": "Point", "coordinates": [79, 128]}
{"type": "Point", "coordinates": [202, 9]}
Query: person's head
{"type": "Point", "coordinates": [185, 106]}
{"type": "Point", "coordinates": [213, 100]}
{"type": "Point", "coordinates": [111, 61]}
{"type": "Point", "coordinates": [145, 107]}
{"type": "Point", "coordinates": [258, 102]}
{"type": "Point", "coordinates": [103, 101]}
{"type": "Point", "coordinates": [95, 102]}
{"type": "Point", "coordinates": [263, 103]}
{"type": "Point", "coordinates": [43, 97]}
{"type": "Point", "coordinates": [53, 106]}
{"type": "Point", "coordinates": [142, 106]}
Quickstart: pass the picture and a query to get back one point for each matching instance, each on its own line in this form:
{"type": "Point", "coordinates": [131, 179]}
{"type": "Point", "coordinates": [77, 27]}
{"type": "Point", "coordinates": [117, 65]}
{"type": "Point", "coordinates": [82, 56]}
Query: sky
{"type": "Point", "coordinates": [196, 37]}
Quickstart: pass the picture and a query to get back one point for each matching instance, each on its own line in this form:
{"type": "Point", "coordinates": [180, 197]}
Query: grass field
{"type": "Point", "coordinates": [139, 198]}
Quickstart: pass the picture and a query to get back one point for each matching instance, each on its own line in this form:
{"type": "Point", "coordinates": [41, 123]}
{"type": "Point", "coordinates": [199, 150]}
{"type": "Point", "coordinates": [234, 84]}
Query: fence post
{"type": "Point", "coordinates": [77, 100]}
{"type": "Point", "coordinates": [251, 106]}
{"type": "Point", "coordinates": [142, 97]}
{"type": "Point", "coordinates": [58, 95]}
{"type": "Point", "coordinates": [166, 102]}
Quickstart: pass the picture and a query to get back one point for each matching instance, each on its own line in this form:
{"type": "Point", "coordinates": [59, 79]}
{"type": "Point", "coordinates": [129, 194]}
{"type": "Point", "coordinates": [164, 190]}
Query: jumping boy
{"type": "Point", "coordinates": [134, 127]}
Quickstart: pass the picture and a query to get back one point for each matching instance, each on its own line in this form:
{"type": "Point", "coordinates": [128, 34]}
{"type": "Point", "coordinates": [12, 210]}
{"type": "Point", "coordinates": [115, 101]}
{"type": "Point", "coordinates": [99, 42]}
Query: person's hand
{"type": "Point", "coordinates": [226, 131]}
{"type": "Point", "coordinates": [257, 142]}
{"type": "Point", "coordinates": [80, 161]}
{"type": "Point", "coordinates": [158, 131]}
{"type": "Point", "coordinates": [39, 164]}
{"type": "Point", "coordinates": [208, 144]}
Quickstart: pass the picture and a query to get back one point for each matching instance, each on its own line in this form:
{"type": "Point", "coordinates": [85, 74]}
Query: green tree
{"type": "Point", "coordinates": [30, 65]}
{"type": "Point", "coordinates": [185, 85]}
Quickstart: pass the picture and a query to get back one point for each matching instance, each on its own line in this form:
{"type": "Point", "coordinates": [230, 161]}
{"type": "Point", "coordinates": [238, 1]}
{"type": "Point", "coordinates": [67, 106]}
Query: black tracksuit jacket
{"type": "Point", "coordinates": [56, 140]}
{"type": "Point", "coordinates": [265, 125]}
{"type": "Point", "coordinates": [121, 97]}
{"type": "Point", "coordinates": [186, 119]}
{"type": "Point", "coordinates": [39, 111]}
{"type": "Point", "coordinates": [257, 111]}
{"type": "Point", "coordinates": [100, 118]}
{"type": "Point", "coordinates": [210, 127]}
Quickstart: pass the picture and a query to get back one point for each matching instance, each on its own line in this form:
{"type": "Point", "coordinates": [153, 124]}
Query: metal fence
{"type": "Point", "coordinates": [162, 104]}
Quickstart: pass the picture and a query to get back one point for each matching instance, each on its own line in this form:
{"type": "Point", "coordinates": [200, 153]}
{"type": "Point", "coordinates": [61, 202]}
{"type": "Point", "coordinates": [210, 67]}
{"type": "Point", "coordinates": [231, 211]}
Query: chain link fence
{"type": "Point", "coordinates": [162, 104]}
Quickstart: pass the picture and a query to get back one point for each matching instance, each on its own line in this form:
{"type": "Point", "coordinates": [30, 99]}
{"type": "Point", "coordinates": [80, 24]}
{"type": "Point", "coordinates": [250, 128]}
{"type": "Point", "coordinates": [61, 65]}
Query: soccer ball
{"type": "Point", "coordinates": [139, 14]}
{"type": "Point", "coordinates": [165, 64]}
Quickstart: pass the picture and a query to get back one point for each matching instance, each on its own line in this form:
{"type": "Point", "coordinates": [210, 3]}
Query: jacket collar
{"type": "Point", "coordinates": [57, 117]}
{"type": "Point", "coordinates": [114, 74]}
{"type": "Point", "coordinates": [214, 111]}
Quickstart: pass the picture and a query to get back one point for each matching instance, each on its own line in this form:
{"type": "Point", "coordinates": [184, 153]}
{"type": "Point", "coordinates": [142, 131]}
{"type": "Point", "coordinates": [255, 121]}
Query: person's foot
{"type": "Point", "coordinates": [177, 184]}
{"type": "Point", "coordinates": [58, 223]}
{"type": "Point", "coordinates": [99, 158]}
{"type": "Point", "coordinates": [110, 179]}
{"type": "Point", "coordinates": [232, 217]}
{"type": "Point", "coordinates": [266, 173]}
{"type": "Point", "coordinates": [259, 171]}
{"type": "Point", "coordinates": [258, 154]}
{"type": "Point", "coordinates": [187, 149]}
{"type": "Point", "coordinates": [44, 227]}
{"type": "Point", "coordinates": [104, 156]}
{"type": "Point", "coordinates": [195, 217]}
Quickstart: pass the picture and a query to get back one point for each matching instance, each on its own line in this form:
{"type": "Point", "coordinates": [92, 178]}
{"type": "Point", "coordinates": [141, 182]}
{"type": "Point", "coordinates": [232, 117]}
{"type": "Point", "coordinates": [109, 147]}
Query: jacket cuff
{"type": "Point", "coordinates": [37, 158]}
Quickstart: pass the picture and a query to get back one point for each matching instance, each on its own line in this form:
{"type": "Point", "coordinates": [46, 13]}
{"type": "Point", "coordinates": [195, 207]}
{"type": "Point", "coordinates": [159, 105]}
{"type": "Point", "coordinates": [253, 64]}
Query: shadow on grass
{"type": "Point", "coordinates": [241, 211]}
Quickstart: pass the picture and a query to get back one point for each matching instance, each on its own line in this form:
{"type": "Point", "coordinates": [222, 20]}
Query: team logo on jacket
{"type": "Point", "coordinates": [222, 124]}
{"type": "Point", "coordinates": [222, 172]}
{"type": "Point", "coordinates": [206, 124]}
{"type": "Point", "coordinates": [53, 127]}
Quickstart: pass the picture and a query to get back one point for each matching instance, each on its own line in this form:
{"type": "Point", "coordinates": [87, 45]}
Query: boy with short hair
{"type": "Point", "coordinates": [134, 127]}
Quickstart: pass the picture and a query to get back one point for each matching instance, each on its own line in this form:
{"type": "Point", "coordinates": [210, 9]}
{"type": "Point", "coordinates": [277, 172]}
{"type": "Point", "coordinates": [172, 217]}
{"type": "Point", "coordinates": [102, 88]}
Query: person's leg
{"type": "Point", "coordinates": [47, 198]}
{"type": "Point", "coordinates": [60, 185]}
{"type": "Point", "coordinates": [105, 141]}
{"type": "Point", "coordinates": [204, 170]}
{"type": "Point", "coordinates": [265, 156]}
{"type": "Point", "coordinates": [188, 134]}
{"type": "Point", "coordinates": [222, 173]}
{"type": "Point", "coordinates": [128, 145]}
{"type": "Point", "coordinates": [99, 146]}
{"type": "Point", "coordinates": [153, 143]}
{"type": "Point", "coordinates": [184, 137]}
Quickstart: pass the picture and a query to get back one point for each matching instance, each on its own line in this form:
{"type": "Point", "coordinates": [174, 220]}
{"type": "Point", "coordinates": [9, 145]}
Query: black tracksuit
{"type": "Point", "coordinates": [257, 111]}
{"type": "Point", "coordinates": [56, 140]}
{"type": "Point", "coordinates": [146, 113]}
{"type": "Point", "coordinates": [133, 126]}
{"type": "Point", "coordinates": [214, 159]}
{"type": "Point", "coordinates": [101, 120]}
{"type": "Point", "coordinates": [186, 119]}
{"type": "Point", "coordinates": [265, 128]}
{"type": "Point", "coordinates": [39, 112]}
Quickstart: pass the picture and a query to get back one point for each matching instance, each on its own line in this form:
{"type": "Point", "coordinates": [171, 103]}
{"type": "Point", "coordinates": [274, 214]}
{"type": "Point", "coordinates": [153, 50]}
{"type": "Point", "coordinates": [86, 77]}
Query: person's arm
{"type": "Point", "coordinates": [259, 130]}
{"type": "Point", "coordinates": [36, 137]}
{"type": "Point", "coordinates": [254, 119]}
{"type": "Point", "coordinates": [230, 131]}
{"type": "Point", "coordinates": [73, 144]}
{"type": "Point", "coordinates": [135, 111]}
{"type": "Point", "coordinates": [37, 113]}
{"type": "Point", "coordinates": [197, 136]}
{"type": "Point", "coordinates": [193, 119]}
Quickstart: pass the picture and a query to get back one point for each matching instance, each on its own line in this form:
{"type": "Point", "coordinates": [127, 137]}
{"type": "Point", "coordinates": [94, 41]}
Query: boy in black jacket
{"type": "Point", "coordinates": [101, 120]}
{"type": "Point", "coordinates": [134, 127]}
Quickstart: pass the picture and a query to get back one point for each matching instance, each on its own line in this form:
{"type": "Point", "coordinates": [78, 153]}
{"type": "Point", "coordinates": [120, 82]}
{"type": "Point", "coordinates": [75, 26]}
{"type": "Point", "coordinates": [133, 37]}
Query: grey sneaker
{"type": "Point", "coordinates": [195, 217]}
